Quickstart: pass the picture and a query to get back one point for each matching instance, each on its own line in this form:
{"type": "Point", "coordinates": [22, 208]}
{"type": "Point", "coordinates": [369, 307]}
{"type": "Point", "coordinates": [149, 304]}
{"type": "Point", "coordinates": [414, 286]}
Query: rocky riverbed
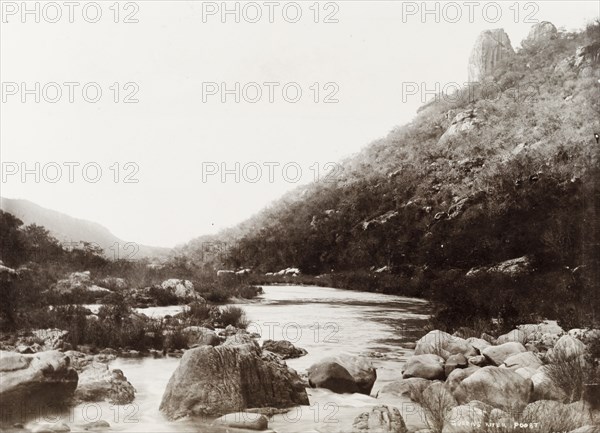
{"type": "Point", "coordinates": [366, 379]}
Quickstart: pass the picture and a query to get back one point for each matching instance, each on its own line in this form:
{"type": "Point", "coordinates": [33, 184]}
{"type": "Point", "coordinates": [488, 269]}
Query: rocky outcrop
{"type": "Point", "coordinates": [381, 419]}
{"type": "Point", "coordinates": [331, 376]}
{"type": "Point", "coordinates": [76, 281]}
{"type": "Point", "coordinates": [463, 122]}
{"type": "Point", "coordinates": [491, 48]}
{"type": "Point", "coordinates": [567, 347]}
{"type": "Point", "coordinates": [283, 348]}
{"type": "Point", "coordinates": [584, 62]}
{"type": "Point", "coordinates": [499, 387]}
{"type": "Point", "coordinates": [98, 383]}
{"type": "Point", "coordinates": [439, 396]}
{"type": "Point", "coordinates": [540, 34]}
{"type": "Point", "coordinates": [512, 267]}
{"type": "Point", "coordinates": [522, 360]}
{"type": "Point", "coordinates": [412, 388]}
{"type": "Point", "coordinates": [514, 336]}
{"type": "Point", "coordinates": [201, 336]}
{"type": "Point", "coordinates": [361, 371]}
{"type": "Point", "coordinates": [455, 361]}
{"type": "Point", "coordinates": [443, 344]}
{"type": "Point", "coordinates": [428, 366]}
{"type": "Point", "coordinates": [228, 378]}
{"type": "Point", "coordinates": [498, 354]}
{"type": "Point", "coordinates": [183, 289]}
{"type": "Point", "coordinates": [41, 378]}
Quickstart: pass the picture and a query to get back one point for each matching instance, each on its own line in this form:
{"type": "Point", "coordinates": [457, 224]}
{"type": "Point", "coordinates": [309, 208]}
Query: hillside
{"type": "Point", "coordinates": [72, 231]}
{"type": "Point", "coordinates": [503, 169]}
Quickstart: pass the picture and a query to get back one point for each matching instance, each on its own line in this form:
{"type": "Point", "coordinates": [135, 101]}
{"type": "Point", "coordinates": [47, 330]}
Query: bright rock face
{"type": "Point", "coordinates": [491, 48]}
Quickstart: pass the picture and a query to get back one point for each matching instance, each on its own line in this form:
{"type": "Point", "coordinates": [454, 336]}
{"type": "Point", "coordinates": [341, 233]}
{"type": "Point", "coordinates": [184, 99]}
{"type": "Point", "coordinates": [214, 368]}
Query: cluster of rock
{"type": "Point", "coordinates": [183, 290]}
{"type": "Point", "coordinates": [477, 379]}
{"type": "Point", "coordinates": [584, 62]}
{"type": "Point", "coordinates": [290, 272]}
{"type": "Point", "coordinates": [77, 281]}
{"type": "Point", "coordinates": [34, 341]}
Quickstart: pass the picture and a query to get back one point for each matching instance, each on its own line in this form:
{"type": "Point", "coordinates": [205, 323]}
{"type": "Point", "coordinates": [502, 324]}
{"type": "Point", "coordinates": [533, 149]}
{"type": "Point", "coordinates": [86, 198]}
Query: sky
{"type": "Point", "coordinates": [158, 150]}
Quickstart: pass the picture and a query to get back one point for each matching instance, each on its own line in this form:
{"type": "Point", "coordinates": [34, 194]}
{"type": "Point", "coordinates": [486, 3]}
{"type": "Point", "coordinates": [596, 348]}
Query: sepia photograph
{"type": "Point", "coordinates": [311, 216]}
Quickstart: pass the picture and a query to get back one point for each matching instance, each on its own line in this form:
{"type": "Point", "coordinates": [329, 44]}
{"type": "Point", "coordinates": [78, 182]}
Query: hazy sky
{"type": "Point", "coordinates": [180, 130]}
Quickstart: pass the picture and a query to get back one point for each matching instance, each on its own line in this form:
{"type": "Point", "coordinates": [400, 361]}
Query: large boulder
{"type": "Point", "coordinates": [223, 379]}
{"type": "Point", "coordinates": [478, 343]}
{"type": "Point", "coordinates": [40, 378]}
{"type": "Point", "coordinates": [75, 280]}
{"type": "Point", "coordinates": [540, 34]}
{"type": "Point", "coordinates": [283, 348]}
{"type": "Point", "coordinates": [498, 354]}
{"type": "Point", "coordinates": [514, 336]}
{"type": "Point", "coordinates": [332, 376]}
{"type": "Point", "coordinates": [427, 366]}
{"type": "Point", "coordinates": [411, 388]}
{"type": "Point", "coordinates": [380, 419]}
{"type": "Point", "coordinates": [98, 383]}
{"type": "Point", "coordinates": [438, 396]}
{"type": "Point", "coordinates": [463, 121]}
{"type": "Point", "coordinates": [455, 361]}
{"type": "Point", "coordinates": [567, 347]}
{"type": "Point", "coordinates": [544, 334]}
{"type": "Point", "coordinates": [491, 48]}
{"type": "Point", "coordinates": [522, 360]}
{"type": "Point", "coordinates": [499, 387]}
{"type": "Point", "coordinates": [360, 368]}
{"type": "Point", "coordinates": [457, 376]}
{"type": "Point", "coordinates": [183, 289]}
{"type": "Point", "coordinates": [443, 344]}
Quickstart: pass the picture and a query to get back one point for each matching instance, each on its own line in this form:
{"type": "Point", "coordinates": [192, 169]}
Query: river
{"type": "Point", "coordinates": [324, 321]}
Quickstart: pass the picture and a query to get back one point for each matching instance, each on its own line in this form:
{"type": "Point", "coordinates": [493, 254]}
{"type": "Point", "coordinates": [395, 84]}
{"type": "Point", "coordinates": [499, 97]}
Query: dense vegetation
{"type": "Point", "coordinates": [34, 261]}
{"type": "Point", "coordinates": [428, 209]}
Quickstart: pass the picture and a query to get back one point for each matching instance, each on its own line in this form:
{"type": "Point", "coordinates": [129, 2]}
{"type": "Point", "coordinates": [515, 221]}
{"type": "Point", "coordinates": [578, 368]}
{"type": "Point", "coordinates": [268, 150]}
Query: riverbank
{"type": "Point", "coordinates": [377, 339]}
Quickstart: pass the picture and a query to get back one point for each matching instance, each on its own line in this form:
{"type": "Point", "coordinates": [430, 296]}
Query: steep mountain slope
{"type": "Point", "coordinates": [504, 168]}
{"type": "Point", "coordinates": [73, 230]}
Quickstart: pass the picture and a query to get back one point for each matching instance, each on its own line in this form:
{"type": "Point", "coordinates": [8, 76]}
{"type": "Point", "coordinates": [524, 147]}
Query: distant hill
{"type": "Point", "coordinates": [72, 230]}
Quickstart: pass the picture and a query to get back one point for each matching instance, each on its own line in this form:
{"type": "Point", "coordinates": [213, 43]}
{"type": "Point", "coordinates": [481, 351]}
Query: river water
{"type": "Point", "coordinates": [325, 322]}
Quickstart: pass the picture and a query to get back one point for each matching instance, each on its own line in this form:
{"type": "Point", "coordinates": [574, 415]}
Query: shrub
{"type": "Point", "coordinates": [234, 316]}
{"type": "Point", "coordinates": [199, 312]}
